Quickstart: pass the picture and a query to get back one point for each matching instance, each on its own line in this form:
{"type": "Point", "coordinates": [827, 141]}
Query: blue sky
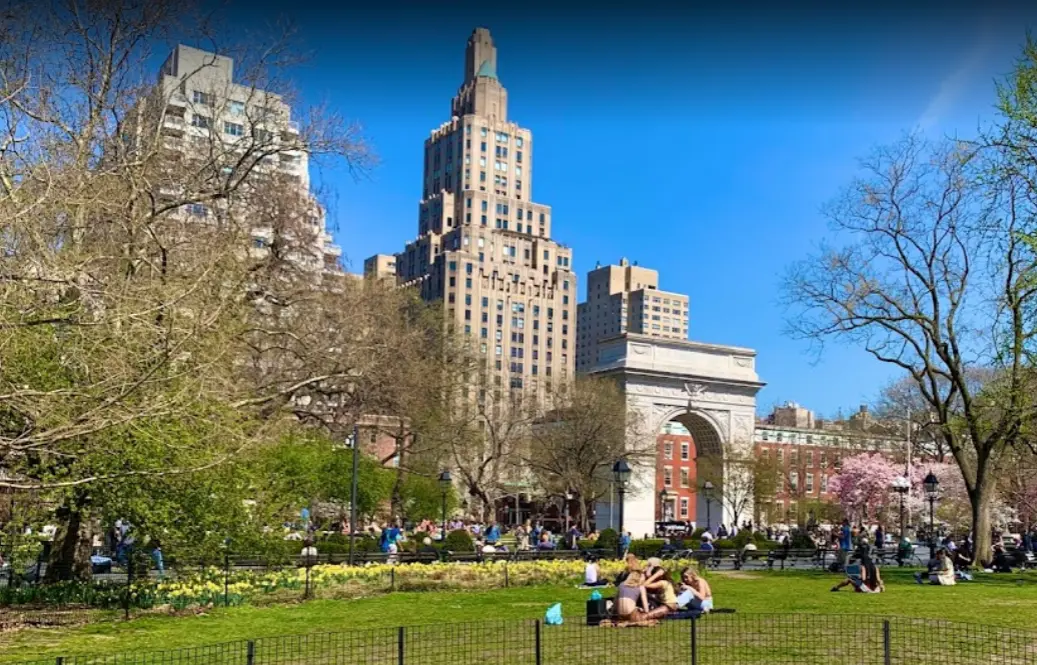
{"type": "Point", "coordinates": [701, 144]}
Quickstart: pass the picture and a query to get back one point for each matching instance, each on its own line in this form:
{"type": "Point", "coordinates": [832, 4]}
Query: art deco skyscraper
{"type": "Point", "coordinates": [483, 246]}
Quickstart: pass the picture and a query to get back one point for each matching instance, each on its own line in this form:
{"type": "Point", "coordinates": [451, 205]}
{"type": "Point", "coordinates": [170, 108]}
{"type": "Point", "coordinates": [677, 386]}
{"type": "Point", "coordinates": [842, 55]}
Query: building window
{"type": "Point", "coordinates": [685, 478]}
{"type": "Point", "coordinates": [233, 128]}
{"type": "Point", "coordinates": [794, 480]}
{"type": "Point", "coordinates": [668, 450]}
{"type": "Point", "coordinates": [667, 476]}
{"type": "Point", "coordinates": [203, 98]}
{"type": "Point", "coordinates": [810, 458]}
{"type": "Point", "coordinates": [685, 451]}
{"type": "Point", "coordinates": [824, 482]}
{"type": "Point", "coordinates": [200, 121]}
{"type": "Point", "coordinates": [684, 507]}
{"type": "Point", "coordinates": [824, 460]}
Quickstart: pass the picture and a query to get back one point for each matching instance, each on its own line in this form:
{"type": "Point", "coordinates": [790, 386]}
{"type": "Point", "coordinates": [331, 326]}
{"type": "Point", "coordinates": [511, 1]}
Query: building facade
{"type": "Point", "coordinates": [484, 246]}
{"type": "Point", "coordinates": [806, 453]}
{"type": "Point", "coordinates": [626, 298]}
{"type": "Point", "coordinates": [675, 481]}
{"type": "Point", "coordinates": [380, 266]}
{"type": "Point", "coordinates": [207, 110]}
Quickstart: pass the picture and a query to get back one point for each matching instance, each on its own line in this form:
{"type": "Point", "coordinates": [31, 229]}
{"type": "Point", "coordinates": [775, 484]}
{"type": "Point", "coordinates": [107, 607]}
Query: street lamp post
{"type": "Point", "coordinates": [932, 490]}
{"type": "Point", "coordinates": [444, 484]}
{"type": "Point", "coordinates": [621, 470]}
{"type": "Point", "coordinates": [707, 492]}
{"type": "Point", "coordinates": [568, 499]}
{"type": "Point", "coordinates": [352, 492]}
{"type": "Point", "coordinates": [901, 485]}
{"type": "Point", "coordinates": [662, 505]}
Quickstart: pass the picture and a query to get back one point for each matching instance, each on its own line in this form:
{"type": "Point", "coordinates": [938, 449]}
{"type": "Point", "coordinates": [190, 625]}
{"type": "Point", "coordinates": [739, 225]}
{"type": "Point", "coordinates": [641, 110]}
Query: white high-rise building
{"type": "Point", "coordinates": [207, 108]}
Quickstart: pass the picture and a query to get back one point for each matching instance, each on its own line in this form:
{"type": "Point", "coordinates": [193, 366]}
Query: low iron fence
{"type": "Point", "coordinates": [722, 639]}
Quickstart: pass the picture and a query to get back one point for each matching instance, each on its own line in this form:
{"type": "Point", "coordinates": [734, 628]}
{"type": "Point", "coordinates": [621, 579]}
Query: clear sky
{"type": "Point", "coordinates": [699, 142]}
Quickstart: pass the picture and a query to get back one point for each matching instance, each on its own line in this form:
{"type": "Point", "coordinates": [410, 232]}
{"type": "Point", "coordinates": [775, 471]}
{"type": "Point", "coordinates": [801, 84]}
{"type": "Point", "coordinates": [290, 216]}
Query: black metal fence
{"type": "Point", "coordinates": [721, 639]}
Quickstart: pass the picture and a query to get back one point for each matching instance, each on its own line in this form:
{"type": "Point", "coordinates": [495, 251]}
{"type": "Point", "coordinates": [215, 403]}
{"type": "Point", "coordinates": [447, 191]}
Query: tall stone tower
{"type": "Point", "coordinates": [484, 247]}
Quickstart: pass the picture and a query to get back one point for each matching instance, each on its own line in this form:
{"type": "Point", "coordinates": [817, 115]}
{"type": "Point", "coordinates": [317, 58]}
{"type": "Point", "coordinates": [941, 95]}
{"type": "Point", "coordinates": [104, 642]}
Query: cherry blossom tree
{"type": "Point", "coordinates": [864, 485]}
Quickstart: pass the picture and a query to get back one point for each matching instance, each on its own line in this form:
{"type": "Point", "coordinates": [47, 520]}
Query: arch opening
{"type": "Point", "coordinates": [691, 452]}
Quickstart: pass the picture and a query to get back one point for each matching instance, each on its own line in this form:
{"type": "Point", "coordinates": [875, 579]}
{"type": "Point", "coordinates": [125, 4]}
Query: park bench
{"type": "Point", "coordinates": [746, 557]}
{"type": "Point", "coordinates": [792, 557]}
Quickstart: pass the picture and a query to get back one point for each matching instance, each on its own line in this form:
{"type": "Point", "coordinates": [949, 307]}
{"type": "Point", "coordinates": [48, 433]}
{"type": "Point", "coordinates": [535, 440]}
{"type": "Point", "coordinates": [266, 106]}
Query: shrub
{"type": "Point", "coordinates": [608, 540]}
{"type": "Point", "coordinates": [801, 541]}
{"type": "Point", "coordinates": [459, 541]}
{"type": "Point", "coordinates": [646, 547]}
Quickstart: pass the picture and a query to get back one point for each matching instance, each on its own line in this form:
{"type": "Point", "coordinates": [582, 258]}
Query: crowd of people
{"type": "Point", "coordinates": [647, 593]}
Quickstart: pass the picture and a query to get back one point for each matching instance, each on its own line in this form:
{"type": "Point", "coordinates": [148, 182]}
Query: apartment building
{"type": "Point", "coordinates": [484, 246]}
{"type": "Point", "coordinates": [626, 298]}
{"type": "Point", "coordinates": [807, 452]}
{"type": "Point", "coordinates": [675, 473]}
{"type": "Point", "coordinates": [207, 110]}
{"type": "Point", "coordinates": [380, 266]}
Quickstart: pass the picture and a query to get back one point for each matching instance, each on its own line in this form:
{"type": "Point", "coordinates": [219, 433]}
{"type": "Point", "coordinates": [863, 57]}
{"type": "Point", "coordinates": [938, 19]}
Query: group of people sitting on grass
{"type": "Point", "coordinates": [646, 593]}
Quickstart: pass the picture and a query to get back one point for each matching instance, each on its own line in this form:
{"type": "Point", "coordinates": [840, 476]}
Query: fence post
{"type": "Point", "coordinates": [399, 645]}
{"type": "Point", "coordinates": [694, 641]}
{"type": "Point", "coordinates": [392, 579]}
{"type": "Point", "coordinates": [887, 655]}
{"type": "Point", "coordinates": [306, 592]}
{"type": "Point", "coordinates": [226, 579]}
{"type": "Point", "coordinates": [537, 641]}
{"type": "Point", "coordinates": [250, 653]}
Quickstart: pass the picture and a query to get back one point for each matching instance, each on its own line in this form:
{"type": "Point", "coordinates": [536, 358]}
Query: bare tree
{"type": "Point", "coordinates": [902, 407]}
{"type": "Point", "coordinates": [588, 429]}
{"type": "Point", "coordinates": [160, 246]}
{"type": "Point", "coordinates": [934, 278]}
{"type": "Point", "coordinates": [746, 481]}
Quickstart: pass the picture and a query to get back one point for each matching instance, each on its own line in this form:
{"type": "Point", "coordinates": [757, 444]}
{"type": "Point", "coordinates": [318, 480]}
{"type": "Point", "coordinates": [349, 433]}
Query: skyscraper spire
{"type": "Point", "coordinates": [480, 56]}
{"type": "Point", "coordinates": [481, 93]}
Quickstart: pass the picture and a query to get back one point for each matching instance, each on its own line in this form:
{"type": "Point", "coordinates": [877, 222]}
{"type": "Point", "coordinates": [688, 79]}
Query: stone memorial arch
{"type": "Point", "coordinates": [709, 388]}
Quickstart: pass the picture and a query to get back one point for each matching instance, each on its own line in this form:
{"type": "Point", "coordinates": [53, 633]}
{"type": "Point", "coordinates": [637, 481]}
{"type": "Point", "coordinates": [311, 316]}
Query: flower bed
{"type": "Point", "coordinates": [210, 587]}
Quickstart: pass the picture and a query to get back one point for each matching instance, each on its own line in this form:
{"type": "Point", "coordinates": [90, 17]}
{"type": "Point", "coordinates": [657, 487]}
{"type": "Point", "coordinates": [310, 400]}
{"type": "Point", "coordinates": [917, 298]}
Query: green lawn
{"type": "Point", "coordinates": [999, 600]}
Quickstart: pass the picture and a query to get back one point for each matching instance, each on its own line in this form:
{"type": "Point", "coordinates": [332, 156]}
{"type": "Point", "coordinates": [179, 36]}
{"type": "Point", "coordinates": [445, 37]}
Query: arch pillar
{"type": "Point", "coordinates": [710, 387]}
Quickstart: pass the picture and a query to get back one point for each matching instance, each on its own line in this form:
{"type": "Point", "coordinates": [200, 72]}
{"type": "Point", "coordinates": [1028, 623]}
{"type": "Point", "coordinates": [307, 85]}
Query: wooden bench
{"type": "Point", "coordinates": [791, 557]}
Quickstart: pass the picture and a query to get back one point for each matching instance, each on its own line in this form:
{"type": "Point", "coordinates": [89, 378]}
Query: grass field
{"type": "Point", "coordinates": [1009, 601]}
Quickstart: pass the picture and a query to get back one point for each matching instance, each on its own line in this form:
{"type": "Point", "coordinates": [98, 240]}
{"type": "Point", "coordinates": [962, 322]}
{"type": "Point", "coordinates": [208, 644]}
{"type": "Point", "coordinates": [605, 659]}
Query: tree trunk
{"type": "Point", "coordinates": [980, 501]}
{"type": "Point", "coordinates": [73, 542]}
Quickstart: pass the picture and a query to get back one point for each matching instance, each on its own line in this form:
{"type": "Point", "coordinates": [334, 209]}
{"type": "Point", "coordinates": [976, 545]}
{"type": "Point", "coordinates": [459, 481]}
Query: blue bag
{"type": "Point", "coordinates": [554, 615]}
{"type": "Point", "coordinates": [595, 595]}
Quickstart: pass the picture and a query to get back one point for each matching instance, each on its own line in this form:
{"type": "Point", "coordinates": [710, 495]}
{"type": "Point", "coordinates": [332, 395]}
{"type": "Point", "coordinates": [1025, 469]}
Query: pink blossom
{"type": "Point", "coordinates": [864, 485]}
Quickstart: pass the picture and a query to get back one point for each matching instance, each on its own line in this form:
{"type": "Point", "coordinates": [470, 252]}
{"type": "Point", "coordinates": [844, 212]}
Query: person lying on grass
{"type": "Point", "coordinates": [864, 577]}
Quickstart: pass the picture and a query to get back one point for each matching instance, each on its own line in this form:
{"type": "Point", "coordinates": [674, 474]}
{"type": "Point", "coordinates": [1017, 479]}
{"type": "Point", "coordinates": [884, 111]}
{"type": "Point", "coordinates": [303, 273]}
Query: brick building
{"type": "Point", "coordinates": [675, 474]}
{"type": "Point", "coordinates": [807, 453]}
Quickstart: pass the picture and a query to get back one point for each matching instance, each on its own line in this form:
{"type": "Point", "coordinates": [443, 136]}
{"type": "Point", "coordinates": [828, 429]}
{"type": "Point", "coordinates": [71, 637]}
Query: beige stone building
{"type": "Point", "coordinates": [484, 246]}
{"type": "Point", "coordinates": [380, 266]}
{"type": "Point", "coordinates": [626, 298]}
{"type": "Point", "coordinates": [207, 110]}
